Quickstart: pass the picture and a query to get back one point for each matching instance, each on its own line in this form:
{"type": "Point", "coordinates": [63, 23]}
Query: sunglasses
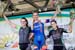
{"type": "Point", "coordinates": [23, 21]}
{"type": "Point", "coordinates": [35, 15]}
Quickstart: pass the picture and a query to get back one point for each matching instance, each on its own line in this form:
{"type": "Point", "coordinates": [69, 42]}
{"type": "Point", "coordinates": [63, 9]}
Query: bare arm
{"type": "Point", "coordinates": [70, 25]}
{"type": "Point", "coordinates": [31, 35]}
{"type": "Point", "coordinates": [9, 22]}
{"type": "Point", "coordinates": [55, 15]}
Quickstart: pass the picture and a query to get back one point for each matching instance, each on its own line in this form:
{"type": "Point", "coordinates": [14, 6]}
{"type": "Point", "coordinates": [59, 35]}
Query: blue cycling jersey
{"type": "Point", "coordinates": [39, 37]}
{"type": "Point", "coordinates": [38, 29]}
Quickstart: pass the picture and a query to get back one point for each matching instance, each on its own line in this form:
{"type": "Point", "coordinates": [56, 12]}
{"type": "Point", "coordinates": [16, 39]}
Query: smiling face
{"type": "Point", "coordinates": [23, 22]}
{"type": "Point", "coordinates": [54, 24]}
{"type": "Point", "coordinates": [35, 16]}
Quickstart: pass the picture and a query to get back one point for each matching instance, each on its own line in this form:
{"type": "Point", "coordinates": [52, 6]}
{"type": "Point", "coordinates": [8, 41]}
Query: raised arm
{"type": "Point", "coordinates": [9, 22]}
{"type": "Point", "coordinates": [55, 15]}
{"type": "Point", "coordinates": [70, 25]}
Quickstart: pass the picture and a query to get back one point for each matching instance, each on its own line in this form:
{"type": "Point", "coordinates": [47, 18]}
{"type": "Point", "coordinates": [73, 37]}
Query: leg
{"type": "Point", "coordinates": [36, 47]}
{"type": "Point", "coordinates": [21, 47]}
{"type": "Point", "coordinates": [58, 48]}
{"type": "Point", "coordinates": [25, 46]}
{"type": "Point", "coordinates": [29, 47]}
{"type": "Point", "coordinates": [43, 46]}
{"type": "Point", "coordinates": [64, 48]}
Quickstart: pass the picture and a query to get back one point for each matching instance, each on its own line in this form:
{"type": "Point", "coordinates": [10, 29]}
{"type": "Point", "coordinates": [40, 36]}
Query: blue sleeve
{"type": "Point", "coordinates": [43, 30]}
{"type": "Point", "coordinates": [42, 27]}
